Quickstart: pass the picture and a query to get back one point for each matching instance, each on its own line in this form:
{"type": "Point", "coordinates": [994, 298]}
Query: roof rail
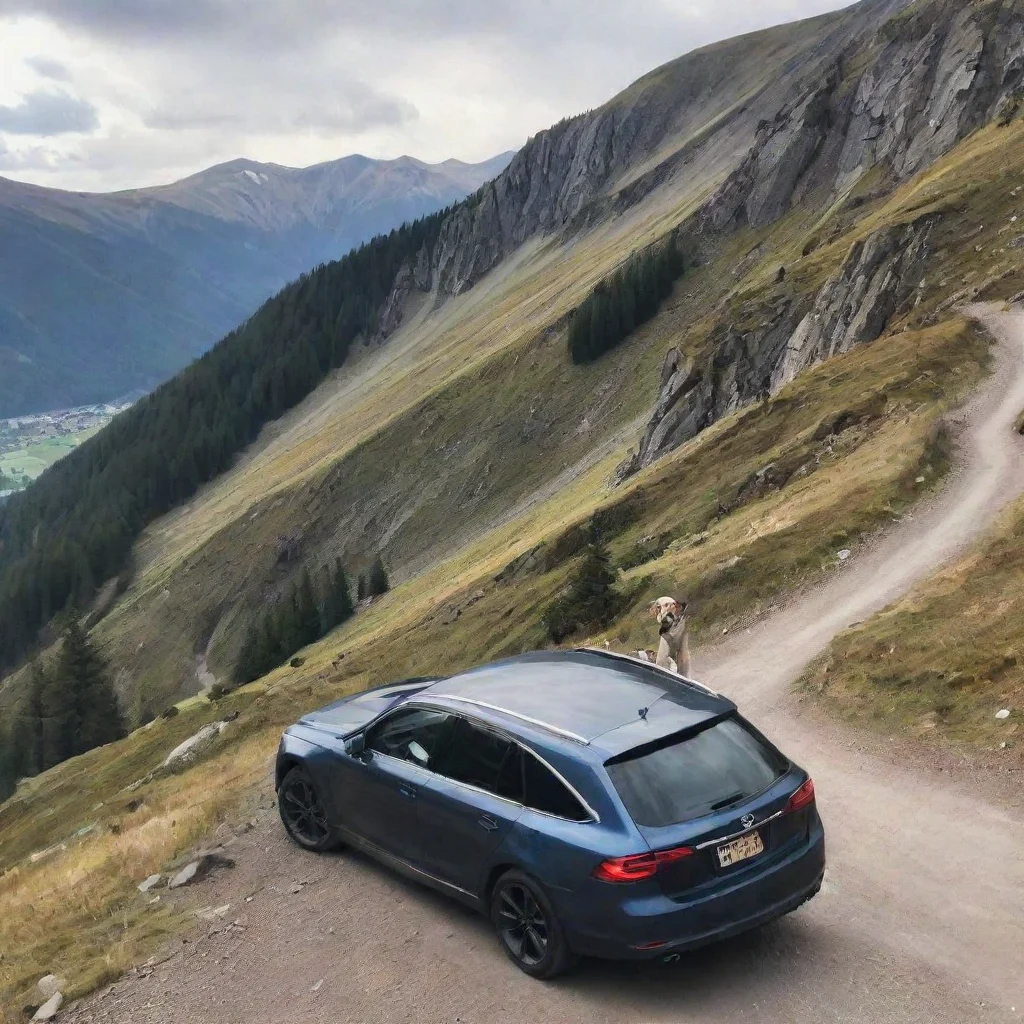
{"type": "Point", "coordinates": [515, 714]}
{"type": "Point", "coordinates": [604, 652]}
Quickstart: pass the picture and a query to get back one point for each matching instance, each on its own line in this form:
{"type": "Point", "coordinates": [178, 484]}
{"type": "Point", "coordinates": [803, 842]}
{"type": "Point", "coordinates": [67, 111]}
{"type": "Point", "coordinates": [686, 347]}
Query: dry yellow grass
{"type": "Point", "coordinates": [92, 929]}
{"type": "Point", "coordinates": [79, 914]}
{"type": "Point", "coordinates": [940, 663]}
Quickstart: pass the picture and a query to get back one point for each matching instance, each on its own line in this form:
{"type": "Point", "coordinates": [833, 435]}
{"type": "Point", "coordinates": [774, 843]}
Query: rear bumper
{"type": "Point", "coordinates": [654, 918]}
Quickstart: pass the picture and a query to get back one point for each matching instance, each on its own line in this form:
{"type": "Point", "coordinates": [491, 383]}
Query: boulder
{"type": "Point", "coordinates": [35, 858]}
{"type": "Point", "coordinates": [150, 883]}
{"type": "Point", "coordinates": [198, 869]}
{"type": "Point", "coordinates": [188, 751]}
{"type": "Point", "coordinates": [188, 874]}
{"type": "Point", "coordinates": [50, 1008]}
{"type": "Point", "coordinates": [50, 985]}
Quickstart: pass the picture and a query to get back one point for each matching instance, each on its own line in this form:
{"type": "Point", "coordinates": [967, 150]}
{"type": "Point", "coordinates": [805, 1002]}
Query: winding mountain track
{"type": "Point", "coordinates": [921, 920]}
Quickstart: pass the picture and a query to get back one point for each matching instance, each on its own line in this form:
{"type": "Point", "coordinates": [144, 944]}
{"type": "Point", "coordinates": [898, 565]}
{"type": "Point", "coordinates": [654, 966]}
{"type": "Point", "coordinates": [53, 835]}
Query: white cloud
{"type": "Point", "coordinates": [48, 113]}
{"type": "Point", "coordinates": [178, 85]}
{"type": "Point", "coordinates": [48, 67]}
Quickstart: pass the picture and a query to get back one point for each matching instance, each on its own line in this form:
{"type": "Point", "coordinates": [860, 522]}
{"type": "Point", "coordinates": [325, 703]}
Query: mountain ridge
{"type": "Point", "coordinates": [733, 323]}
{"type": "Point", "coordinates": [103, 293]}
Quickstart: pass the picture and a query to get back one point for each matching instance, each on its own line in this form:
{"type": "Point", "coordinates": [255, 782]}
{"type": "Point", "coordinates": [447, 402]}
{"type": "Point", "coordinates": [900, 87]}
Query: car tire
{"type": "Point", "coordinates": [528, 928]}
{"type": "Point", "coordinates": [302, 812]}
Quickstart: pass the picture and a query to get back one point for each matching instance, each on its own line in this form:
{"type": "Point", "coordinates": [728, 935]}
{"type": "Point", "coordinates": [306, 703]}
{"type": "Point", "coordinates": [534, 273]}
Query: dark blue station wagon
{"type": "Point", "coordinates": [588, 803]}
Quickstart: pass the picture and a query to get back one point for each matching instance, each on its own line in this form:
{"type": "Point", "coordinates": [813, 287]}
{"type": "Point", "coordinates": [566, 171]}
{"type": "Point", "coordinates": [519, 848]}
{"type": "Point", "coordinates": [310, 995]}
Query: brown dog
{"type": "Point", "coordinates": [674, 649]}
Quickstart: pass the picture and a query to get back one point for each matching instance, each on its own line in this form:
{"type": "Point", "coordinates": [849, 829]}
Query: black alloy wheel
{"type": "Point", "coordinates": [302, 812]}
{"type": "Point", "coordinates": [528, 928]}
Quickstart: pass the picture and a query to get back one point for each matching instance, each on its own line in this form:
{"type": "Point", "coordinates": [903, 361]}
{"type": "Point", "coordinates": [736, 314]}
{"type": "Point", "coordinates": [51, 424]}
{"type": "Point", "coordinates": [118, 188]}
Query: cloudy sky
{"type": "Point", "coordinates": [106, 94]}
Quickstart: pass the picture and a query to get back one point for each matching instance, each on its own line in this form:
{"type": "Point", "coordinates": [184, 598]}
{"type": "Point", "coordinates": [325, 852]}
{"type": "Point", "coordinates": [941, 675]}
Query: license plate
{"type": "Point", "coordinates": [746, 846]}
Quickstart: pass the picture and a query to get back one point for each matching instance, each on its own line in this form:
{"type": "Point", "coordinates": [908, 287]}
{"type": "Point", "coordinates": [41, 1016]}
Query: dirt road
{"type": "Point", "coordinates": [921, 920]}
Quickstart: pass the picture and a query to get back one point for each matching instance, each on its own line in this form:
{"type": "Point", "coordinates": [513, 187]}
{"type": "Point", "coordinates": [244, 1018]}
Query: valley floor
{"type": "Point", "coordinates": [921, 920]}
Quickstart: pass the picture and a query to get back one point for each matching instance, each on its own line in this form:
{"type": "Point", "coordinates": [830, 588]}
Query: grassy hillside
{"type": "Point", "coordinates": [941, 663]}
{"type": "Point", "coordinates": [473, 453]}
{"type": "Point", "coordinates": [78, 911]}
{"type": "Point", "coordinates": [460, 386]}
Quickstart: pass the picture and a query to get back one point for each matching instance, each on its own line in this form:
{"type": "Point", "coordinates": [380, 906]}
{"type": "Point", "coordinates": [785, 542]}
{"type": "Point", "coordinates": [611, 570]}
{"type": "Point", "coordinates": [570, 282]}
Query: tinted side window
{"type": "Point", "coordinates": [544, 792]}
{"type": "Point", "coordinates": [411, 733]}
{"type": "Point", "coordinates": [483, 759]}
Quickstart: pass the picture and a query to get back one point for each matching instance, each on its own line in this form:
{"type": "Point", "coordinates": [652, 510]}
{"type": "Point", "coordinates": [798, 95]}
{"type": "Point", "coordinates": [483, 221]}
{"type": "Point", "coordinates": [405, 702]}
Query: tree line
{"type": "Point", "coordinates": [622, 302]}
{"type": "Point", "coordinates": [69, 707]}
{"type": "Point", "coordinates": [303, 618]}
{"type": "Point", "coordinates": [73, 528]}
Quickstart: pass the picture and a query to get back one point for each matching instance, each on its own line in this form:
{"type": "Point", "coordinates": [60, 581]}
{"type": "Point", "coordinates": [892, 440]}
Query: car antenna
{"type": "Point", "coordinates": [643, 713]}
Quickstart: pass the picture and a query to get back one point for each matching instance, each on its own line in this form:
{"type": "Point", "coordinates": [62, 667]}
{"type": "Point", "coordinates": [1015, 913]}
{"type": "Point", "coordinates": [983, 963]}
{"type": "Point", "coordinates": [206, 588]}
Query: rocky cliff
{"type": "Point", "coordinates": [879, 278]}
{"type": "Point", "coordinates": [886, 86]}
{"type": "Point", "coordinates": [891, 105]}
{"type": "Point", "coordinates": [879, 275]}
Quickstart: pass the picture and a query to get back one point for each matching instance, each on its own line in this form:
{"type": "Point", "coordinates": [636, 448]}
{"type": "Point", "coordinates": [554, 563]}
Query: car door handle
{"type": "Point", "coordinates": [488, 823]}
{"type": "Point", "coordinates": [407, 791]}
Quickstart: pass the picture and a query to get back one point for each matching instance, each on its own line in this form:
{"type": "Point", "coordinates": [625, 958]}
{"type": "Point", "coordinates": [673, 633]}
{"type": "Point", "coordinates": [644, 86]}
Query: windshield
{"type": "Point", "coordinates": [700, 774]}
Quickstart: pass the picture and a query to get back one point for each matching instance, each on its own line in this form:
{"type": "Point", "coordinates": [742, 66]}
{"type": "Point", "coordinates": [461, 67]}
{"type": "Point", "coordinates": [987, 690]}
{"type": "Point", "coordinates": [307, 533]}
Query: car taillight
{"type": "Point", "coordinates": [801, 798]}
{"type": "Point", "coordinates": [639, 866]}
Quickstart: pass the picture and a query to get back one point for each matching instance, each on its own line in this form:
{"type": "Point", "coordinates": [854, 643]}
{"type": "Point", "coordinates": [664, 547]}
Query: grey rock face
{"type": "Point", "coordinates": [391, 315]}
{"type": "Point", "coordinates": [856, 304]}
{"type": "Point", "coordinates": [927, 82]}
{"type": "Point", "coordinates": [695, 395]}
{"type": "Point", "coordinates": [761, 190]}
{"type": "Point", "coordinates": [928, 87]}
{"type": "Point", "coordinates": [879, 276]}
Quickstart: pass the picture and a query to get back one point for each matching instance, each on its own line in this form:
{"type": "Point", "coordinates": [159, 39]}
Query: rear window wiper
{"type": "Point", "coordinates": [728, 801]}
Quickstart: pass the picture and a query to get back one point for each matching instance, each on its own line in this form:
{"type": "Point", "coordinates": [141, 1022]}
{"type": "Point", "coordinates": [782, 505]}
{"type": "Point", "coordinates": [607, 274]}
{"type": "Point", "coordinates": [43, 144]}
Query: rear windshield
{"type": "Point", "coordinates": [703, 773]}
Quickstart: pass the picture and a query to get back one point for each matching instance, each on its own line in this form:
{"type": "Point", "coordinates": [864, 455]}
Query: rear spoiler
{"type": "Point", "coordinates": [671, 739]}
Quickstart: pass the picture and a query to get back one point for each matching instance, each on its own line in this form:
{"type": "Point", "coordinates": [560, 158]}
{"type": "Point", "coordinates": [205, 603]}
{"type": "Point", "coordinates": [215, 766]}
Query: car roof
{"type": "Point", "coordinates": [591, 698]}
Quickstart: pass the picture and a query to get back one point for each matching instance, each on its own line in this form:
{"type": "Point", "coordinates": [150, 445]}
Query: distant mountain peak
{"type": "Point", "coordinates": [151, 277]}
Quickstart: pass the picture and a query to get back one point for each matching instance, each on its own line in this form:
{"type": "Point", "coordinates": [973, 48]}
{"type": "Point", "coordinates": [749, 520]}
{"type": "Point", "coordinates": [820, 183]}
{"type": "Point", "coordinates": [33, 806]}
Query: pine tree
{"type": "Point", "coordinates": [378, 583]}
{"type": "Point", "coordinates": [592, 590]}
{"type": "Point", "coordinates": [591, 600]}
{"type": "Point", "coordinates": [9, 768]}
{"type": "Point", "coordinates": [361, 588]}
{"type": "Point", "coordinates": [307, 615]}
{"type": "Point", "coordinates": [337, 602]}
{"type": "Point", "coordinates": [289, 634]}
{"type": "Point", "coordinates": [33, 720]}
{"type": "Point", "coordinates": [247, 665]}
{"type": "Point", "coordinates": [81, 707]}
{"type": "Point", "coordinates": [269, 653]}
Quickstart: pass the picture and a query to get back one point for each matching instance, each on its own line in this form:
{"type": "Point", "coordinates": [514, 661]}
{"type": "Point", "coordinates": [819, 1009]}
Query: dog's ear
{"type": "Point", "coordinates": [682, 606]}
{"type": "Point", "coordinates": [653, 610]}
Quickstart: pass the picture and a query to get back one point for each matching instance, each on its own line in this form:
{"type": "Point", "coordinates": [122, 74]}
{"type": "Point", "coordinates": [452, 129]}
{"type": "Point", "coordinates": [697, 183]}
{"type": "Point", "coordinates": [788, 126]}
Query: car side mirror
{"type": "Point", "coordinates": [356, 746]}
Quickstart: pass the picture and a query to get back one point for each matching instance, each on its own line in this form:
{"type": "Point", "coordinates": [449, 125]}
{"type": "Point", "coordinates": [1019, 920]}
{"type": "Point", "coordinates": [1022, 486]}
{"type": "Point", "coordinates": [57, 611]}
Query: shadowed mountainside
{"type": "Point", "coordinates": [101, 294]}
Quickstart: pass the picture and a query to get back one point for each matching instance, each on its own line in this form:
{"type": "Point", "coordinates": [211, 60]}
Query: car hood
{"type": "Point", "coordinates": [350, 714]}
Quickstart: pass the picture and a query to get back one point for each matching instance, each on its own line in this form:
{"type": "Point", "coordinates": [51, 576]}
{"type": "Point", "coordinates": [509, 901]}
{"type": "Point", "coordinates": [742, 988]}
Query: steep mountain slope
{"type": "Point", "coordinates": [753, 156]}
{"type": "Point", "coordinates": [789, 400]}
{"type": "Point", "coordinates": [101, 294]}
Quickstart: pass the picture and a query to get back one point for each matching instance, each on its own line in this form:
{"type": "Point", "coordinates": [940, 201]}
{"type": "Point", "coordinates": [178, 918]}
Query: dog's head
{"type": "Point", "coordinates": [668, 611]}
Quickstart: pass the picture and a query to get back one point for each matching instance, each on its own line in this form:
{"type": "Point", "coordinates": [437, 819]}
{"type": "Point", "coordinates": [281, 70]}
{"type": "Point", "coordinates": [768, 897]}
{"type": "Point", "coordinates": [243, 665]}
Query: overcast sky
{"type": "Point", "coordinates": [107, 94]}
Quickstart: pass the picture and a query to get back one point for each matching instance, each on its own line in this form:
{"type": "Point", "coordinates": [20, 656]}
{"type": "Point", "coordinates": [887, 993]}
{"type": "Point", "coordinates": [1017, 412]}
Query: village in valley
{"type": "Point", "coordinates": [31, 443]}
